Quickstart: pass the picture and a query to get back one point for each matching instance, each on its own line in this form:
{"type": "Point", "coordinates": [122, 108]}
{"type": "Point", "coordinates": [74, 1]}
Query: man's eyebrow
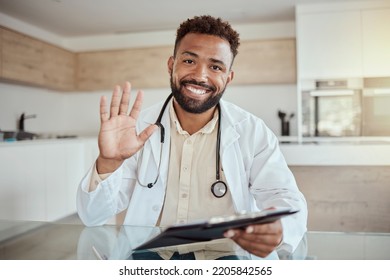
{"type": "Point", "coordinates": [214, 60]}
{"type": "Point", "coordinates": [217, 61]}
{"type": "Point", "coordinates": [190, 53]}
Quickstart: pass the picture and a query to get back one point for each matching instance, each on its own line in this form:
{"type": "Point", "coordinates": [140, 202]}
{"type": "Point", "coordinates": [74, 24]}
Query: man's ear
{"type": "Point", "coordinates": [230, 77]}
{"type": "Point", "coordinates": [171, 60]}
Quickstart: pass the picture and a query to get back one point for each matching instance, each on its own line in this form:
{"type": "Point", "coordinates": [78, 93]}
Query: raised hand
{"type": "Point", "coordinates": [118, 139]}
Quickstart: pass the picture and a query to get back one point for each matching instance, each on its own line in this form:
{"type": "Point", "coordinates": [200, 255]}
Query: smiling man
{"type": "Point", "coordinates": [203, 157]}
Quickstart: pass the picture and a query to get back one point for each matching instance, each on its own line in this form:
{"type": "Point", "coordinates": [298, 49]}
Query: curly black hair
{"type": "Point", "coordinates": [211, 26]}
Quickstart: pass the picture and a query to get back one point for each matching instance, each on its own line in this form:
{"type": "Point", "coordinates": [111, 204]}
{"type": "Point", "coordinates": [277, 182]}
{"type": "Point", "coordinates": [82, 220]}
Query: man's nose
{"type": "Point", "coordinates": [201, 73]}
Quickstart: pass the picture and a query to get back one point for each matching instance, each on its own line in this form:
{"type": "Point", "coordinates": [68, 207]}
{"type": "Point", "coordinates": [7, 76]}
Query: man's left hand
{"type": "Point", "coordinates": [259, 240]}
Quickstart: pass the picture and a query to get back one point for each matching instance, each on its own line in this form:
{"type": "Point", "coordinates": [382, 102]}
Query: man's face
{"type": "Point", "coordinates": [200, 71]}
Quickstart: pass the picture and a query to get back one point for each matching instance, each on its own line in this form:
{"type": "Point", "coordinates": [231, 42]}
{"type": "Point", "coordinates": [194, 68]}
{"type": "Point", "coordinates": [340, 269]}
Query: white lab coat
{"type": "Point", "coordinates": [255, 170]}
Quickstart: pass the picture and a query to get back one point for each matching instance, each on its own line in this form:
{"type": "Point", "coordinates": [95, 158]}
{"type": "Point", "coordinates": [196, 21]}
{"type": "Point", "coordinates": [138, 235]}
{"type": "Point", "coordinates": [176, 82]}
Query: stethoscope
{"type": "Point", "coordinates": [218, 188]}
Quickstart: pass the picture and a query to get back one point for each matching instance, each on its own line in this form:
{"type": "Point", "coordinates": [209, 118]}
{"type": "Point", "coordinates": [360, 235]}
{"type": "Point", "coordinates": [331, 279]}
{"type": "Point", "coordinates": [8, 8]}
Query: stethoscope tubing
{"type": "Point", "coordinates": [218, 188]}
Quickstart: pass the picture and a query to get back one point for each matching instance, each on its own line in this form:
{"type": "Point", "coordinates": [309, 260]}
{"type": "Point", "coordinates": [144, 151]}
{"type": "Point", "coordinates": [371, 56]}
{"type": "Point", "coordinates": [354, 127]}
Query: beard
{"type": "Point", "coordinates": [191, 105]}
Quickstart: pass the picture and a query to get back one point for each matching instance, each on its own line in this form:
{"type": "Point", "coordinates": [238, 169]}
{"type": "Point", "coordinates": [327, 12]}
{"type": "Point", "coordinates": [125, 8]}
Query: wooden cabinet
{"type": "Point", "coordinates": [266, 62]}
{"type": "Point", "coordinates": [30, 61]}
{"type": "Point", "coordinates": [329, 45]}
{"type": "Point", "coordinates": [58, 68]}
{"type": "Point", "coordinates": [143, 67]}
{"type": "Point", "coordinates": [21, 58]}
{"type": "Point", "coordinates": [376, 42]}
{"type": "Point", "coordinates": [26, 60]}
{"type": "Point", "coordinates": [258, 62]}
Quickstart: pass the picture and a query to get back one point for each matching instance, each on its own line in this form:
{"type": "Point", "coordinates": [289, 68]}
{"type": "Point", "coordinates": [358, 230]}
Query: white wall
{"type": "Point", "coordinates": [48, 105]}
{"type": "Point", "coordinates": [78, 112]}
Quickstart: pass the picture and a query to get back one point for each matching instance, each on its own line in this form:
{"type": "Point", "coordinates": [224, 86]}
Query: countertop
{"type": "Point", "coordinates": [352, 151]}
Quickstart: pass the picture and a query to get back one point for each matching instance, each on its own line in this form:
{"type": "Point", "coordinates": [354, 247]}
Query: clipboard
{"type": "Point", "coordinates": [212, 229]}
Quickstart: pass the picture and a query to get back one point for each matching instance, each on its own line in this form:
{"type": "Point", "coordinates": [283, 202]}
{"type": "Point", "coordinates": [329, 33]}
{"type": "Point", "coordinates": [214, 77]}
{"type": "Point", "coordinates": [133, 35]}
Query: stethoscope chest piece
{"type": "Point", "coordinates": [219, 189]}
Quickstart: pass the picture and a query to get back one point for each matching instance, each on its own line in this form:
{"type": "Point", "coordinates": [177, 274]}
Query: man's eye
{"type": "Point", "coordinates": [188, 61]}
{"type": "Point", "coordinates": [216, 67]}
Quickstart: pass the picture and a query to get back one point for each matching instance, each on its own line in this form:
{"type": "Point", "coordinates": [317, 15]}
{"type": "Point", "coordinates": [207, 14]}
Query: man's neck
{"type": "Point", "coordinates": [191, 122]}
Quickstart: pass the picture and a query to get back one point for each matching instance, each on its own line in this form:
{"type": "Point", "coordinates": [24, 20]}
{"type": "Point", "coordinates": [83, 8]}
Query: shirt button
{"type": "Point", "coordinates": [184, 195]}
{"type": "Point", "coordinates": [185, 168]}
{"type": "Point", "coordinates": [189, 142]}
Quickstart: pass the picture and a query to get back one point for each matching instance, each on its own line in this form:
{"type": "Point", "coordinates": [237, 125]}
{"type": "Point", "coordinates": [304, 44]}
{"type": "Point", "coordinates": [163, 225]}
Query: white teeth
{"type": "Point", "coordinates": [197, 91]}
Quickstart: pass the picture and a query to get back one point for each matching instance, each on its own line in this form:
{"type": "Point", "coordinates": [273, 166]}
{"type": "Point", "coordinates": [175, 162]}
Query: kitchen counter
{"type": "Point", "coordinates": [45, 141]}
{"type": "Point", "coordinates": [40, 177]}
{"type": "Point", "coordinates": [337, 153]}
{"type": "Point", "coordinates": [315, 152]}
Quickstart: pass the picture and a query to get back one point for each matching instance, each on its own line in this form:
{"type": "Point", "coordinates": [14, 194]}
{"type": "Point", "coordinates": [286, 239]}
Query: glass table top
{"type": "Point", "coordinates": [28, 240]}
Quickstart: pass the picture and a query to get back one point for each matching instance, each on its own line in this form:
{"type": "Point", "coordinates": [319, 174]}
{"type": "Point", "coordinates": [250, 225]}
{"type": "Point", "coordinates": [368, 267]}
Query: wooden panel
{"type": "Point", "coordinates": [143, 67]}
{"type": "Point", "coordinates": [265, 62]}
{"type": "Point", "coordinates": [22, 58]}
{"type": "Point", "coordinates": [346, 198]}
{"type": "Point", "coordinates": [59, 68]}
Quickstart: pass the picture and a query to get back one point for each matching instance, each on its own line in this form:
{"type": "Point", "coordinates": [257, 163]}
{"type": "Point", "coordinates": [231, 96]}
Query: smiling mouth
{"type": "Point", "coordinates": [197, 91]}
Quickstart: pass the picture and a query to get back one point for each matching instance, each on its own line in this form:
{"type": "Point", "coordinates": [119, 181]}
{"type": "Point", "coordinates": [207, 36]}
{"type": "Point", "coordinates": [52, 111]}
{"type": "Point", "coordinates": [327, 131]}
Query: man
{"type": "Point", "coordinates": [206, 140]}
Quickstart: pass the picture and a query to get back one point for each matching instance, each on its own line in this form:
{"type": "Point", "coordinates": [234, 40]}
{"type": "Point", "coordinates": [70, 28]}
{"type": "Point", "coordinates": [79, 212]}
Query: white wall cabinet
{"type": "Point", "coordinates": [329, 45]}
{"type": "Point", "coordinates": [345, 42]}
{"type": "Point", "coordinates": [40, 179]}
{"type": "Point", "coordinates": [376, 42]}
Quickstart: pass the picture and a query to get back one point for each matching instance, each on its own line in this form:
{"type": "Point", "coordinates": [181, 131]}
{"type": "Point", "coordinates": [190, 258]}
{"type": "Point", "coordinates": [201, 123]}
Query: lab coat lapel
{"type": "Point", "coordinates": [155, 141]}
{"type": "Point", "coordinates": [231, 157]}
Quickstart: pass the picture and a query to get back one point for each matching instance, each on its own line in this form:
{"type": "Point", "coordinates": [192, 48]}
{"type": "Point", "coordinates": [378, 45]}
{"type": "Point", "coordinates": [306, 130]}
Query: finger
{"type": "Point", "coordinates": [257, 246]}
{"type": "Point", "coordinates": [136, 109]}
{"type": "Point", "coordinates": [146, 133]}
{"type": "Point", "coordinates": [124, 105]}
{"type": "Point", "coordinates": [268, 228]}
{"type": "Point", "coordinates": [115, 101]}
{"type": "Point", "coordinates": [269, 239]}
{"type": "Point", "coordinates": [104, 116]}
{"type": "Point", "coordinates": [258, 249]}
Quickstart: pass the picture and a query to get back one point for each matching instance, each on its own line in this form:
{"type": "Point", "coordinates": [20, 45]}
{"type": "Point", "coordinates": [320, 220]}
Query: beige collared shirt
{"type": "Point", "coordinates": [192, 171]}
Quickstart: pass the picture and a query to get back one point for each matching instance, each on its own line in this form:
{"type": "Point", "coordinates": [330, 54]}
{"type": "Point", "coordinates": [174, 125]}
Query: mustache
{"type": "Point", "coordinates": [201, 84]}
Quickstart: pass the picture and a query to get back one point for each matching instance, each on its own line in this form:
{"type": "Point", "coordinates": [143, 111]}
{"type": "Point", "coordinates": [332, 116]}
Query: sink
{"type": "Point", "coordinates": [18, 135]}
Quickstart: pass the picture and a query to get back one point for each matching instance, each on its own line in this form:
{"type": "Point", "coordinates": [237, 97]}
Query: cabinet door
{"type": "Point", "coordinates": [59, 68]}
{"type": "Point", "coordinates": [22, 189]}
{"type": "Point", "coordinates": [266, 62]}
{"type": "Point", "coordinates": [22, 58]}
{"type": "Point", "coordinates": [376, 42]}
{"type": "Point", "coordinates": [143, 67]}
{"type": "Point", "coordinates": [329, 45]}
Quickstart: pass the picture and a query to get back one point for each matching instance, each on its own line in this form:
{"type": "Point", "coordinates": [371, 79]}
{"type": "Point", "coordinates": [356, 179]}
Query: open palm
{"type": "Point", "coordinates": [118, 139]}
